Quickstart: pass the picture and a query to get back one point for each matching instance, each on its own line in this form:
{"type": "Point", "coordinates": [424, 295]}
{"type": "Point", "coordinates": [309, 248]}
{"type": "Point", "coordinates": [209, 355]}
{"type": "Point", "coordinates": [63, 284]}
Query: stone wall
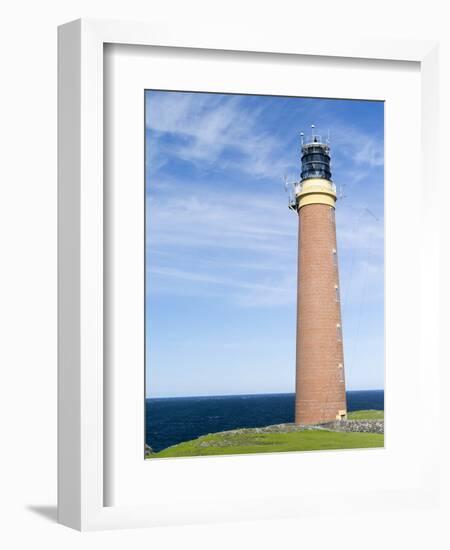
{"type": "Point", "coordinates": [368, 426]}
{"type": "Point", "coordinates": [371, 426]}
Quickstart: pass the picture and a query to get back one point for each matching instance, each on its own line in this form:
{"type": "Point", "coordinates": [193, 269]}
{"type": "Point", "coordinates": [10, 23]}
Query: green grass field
{"type": "Point", "coordinates": [366, 415]}
{"type": "Point", "coordinates": [251, 442]}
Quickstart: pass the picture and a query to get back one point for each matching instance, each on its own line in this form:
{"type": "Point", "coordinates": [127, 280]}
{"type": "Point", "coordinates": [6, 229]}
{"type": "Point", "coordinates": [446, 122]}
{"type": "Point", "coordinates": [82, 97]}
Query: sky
{"type": "Point", "coordinates": [221, 243]}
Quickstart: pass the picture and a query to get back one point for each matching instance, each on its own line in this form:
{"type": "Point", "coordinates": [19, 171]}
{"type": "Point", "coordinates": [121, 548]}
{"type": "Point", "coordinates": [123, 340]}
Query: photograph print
{"type": "Point", "coordinates": [264, 274]}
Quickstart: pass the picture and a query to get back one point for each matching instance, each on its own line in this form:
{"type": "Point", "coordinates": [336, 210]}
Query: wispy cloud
{"type": "Point", "coordinates": [241, 292]}
{"type": "Point", "coordinates": [228, 132]}
{"type": "Point", "coordinates": [216, 129]}
{"type": "Point", "coordinates": [209, 217]}
{"type": "Point", "coordinates": [248, 244]}
{"type": "Point", "coordinates": [236, 241]}
{"type": "Point", "coordinates": [361, 149]}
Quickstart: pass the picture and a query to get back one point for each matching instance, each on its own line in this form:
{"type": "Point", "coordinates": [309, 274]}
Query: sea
{"type": "Point", "coordinates": [172, 420]}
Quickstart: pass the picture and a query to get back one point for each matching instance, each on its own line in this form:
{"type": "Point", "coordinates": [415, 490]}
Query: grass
{"type": "Point", "coordinates": [366, 415]}
{"type": "Point", "coordinates": [218, 444]}
{"type": "Point", "coordinates": [225, 443]}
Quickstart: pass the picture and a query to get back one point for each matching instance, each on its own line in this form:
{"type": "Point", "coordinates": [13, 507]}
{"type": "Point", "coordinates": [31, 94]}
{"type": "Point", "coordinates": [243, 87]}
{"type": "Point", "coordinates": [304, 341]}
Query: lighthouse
{"type": "Point", "coordinates": [320, 378]}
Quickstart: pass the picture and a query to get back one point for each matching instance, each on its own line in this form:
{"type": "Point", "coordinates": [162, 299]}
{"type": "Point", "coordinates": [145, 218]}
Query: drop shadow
{"type": "Point", "coordinates": [48, 512]}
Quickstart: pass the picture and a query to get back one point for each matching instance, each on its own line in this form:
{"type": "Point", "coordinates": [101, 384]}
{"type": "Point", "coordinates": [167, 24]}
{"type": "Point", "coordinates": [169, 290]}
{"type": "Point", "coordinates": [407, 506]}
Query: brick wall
{"type": "Point", "coordinates": [320, 381]}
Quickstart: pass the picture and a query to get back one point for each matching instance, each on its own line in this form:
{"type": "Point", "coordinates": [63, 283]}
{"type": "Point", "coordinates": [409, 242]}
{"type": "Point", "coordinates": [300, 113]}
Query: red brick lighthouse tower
{"type": "Point", "coordinates": [320, 381]}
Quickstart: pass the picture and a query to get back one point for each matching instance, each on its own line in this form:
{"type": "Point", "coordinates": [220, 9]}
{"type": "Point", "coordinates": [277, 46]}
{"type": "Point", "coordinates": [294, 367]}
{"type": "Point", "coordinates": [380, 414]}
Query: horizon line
{"type": "Point", "coordinates": [241, 394]}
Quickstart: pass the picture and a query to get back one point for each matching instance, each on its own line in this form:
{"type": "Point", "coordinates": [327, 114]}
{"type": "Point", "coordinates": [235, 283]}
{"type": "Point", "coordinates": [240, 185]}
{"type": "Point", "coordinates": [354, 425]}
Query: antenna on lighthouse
{"type": "Point", "coordinates": [372, 214]}
{"type": "Point", "coordinates": [291, 190]}
{"type": "Point", "coordinates": [341, 191]}
{"type": "Point", "coordinates": [302, 135]}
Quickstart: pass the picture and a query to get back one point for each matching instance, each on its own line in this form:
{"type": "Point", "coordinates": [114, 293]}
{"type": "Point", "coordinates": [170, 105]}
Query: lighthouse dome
{"type": "Point", "coordinates": [315, 160]}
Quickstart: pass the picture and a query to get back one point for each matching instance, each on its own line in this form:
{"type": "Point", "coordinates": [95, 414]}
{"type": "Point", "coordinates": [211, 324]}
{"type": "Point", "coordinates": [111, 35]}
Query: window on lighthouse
{"type": "Point", "coordinates": [339, 332]}
{"type": "Point", "coordinates": [336, 288]}
{"type": "Point", "coordinates": [332, 220]}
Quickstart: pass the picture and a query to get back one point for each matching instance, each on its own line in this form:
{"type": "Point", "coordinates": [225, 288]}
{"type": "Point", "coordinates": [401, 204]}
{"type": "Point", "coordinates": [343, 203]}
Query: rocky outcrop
{"type": "Point", "coordinates": [368, 426]}
{"type": "Point", "coordinates": [148, 451]}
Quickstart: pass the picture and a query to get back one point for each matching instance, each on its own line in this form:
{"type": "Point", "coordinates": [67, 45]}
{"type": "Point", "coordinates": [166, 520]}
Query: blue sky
{"type": "Point", "coordinates": [222, 245]}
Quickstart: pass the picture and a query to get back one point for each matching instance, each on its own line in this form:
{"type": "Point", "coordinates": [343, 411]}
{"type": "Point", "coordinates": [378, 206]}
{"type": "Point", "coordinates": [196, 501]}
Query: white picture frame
{"type": "Point", "coordinates": [82, 483]}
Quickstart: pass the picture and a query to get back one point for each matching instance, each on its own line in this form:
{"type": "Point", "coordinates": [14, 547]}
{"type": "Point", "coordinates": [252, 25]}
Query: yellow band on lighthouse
{"type": "Point", "coordinates": [316, 191]}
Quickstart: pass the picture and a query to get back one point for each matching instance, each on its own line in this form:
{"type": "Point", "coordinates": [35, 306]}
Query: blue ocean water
{"type": "Point", "coordinates": [171, 420]}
